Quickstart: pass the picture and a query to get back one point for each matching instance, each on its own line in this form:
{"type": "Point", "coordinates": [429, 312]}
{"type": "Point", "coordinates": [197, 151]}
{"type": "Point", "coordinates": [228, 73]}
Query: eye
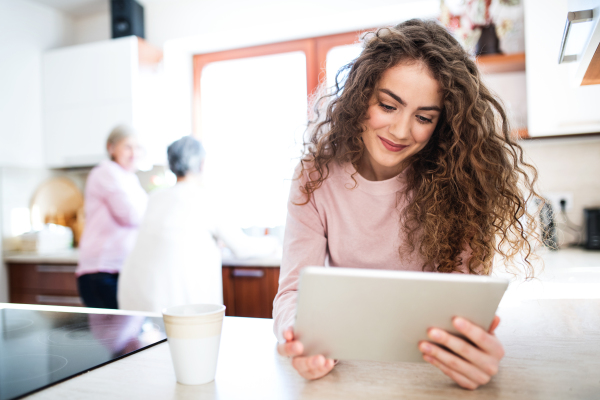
{"type": "Point", "coordinates": [387, 108]}
{"type": "Point", "coordinates": [423, 120]}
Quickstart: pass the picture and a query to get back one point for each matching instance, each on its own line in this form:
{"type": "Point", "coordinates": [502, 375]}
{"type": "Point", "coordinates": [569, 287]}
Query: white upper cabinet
{"type": "Point", "coordinates": [556, 104]}
{"type": "Point", "coordinates": [90, 89]}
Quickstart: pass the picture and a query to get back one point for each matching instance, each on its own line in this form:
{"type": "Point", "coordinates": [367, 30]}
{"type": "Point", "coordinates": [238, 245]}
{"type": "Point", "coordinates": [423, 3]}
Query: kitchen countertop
{"type": "Point", "coordinates": [575, 262]}
{"type": "Point", "coordinates": [552, 352]}
{"type": "Point", "coordinates": [71, 257]}
{"type": "Point", "coordinates": [571, 273]}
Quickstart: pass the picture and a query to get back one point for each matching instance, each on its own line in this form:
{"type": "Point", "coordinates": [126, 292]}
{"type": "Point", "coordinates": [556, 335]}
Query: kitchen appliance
{"type": "Point", "coordinates": [592, 228]}
{"type": "Point", "coordinates": [41, 348]}
{"type": "Point", "coordinates": [127, 18]}
{"type": "Point", "coordinates": [548, 225]}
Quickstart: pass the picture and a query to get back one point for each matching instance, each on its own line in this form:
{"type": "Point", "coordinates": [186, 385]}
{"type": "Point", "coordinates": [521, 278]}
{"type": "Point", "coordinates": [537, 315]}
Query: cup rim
{"type": "Point", "coordinates": [219, 308]}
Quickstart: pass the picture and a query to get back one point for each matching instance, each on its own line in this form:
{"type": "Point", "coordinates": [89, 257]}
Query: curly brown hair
{"type": "Point", "coordinates": [469, 186]}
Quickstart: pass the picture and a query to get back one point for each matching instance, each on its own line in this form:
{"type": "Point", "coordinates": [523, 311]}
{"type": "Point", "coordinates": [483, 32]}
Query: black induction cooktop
{"type": "Point", "coordinates": [41, 348]}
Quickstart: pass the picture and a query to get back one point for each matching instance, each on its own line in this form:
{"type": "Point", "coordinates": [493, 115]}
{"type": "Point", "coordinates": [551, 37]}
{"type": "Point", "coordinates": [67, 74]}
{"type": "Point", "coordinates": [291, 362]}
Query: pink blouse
{"type": "Point", "coordinates": [114, 205]}
{"type": "Point", "coordinates": [349, 227]}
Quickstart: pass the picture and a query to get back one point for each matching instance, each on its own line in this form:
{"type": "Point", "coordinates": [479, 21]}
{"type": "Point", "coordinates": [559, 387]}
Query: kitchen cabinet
{"type": "Point", "coordinates": [556, 104]}
{"type": "Point", "coordinates": [89, 89]}
{"type": "Point", "coordinates": [247, 291]}
{"type": "Point", "coordinates": [52, 284]}
{"type": "Point", "coordinates": [250, 291]}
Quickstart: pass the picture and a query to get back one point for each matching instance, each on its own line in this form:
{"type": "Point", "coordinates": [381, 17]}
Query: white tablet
{"type": "Point", "coordinates": [381, 315]}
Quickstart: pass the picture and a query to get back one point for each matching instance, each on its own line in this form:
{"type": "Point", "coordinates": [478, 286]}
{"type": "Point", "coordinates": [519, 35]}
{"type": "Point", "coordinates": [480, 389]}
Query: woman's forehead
{"type": "Point", "coordinates": [414, 82]}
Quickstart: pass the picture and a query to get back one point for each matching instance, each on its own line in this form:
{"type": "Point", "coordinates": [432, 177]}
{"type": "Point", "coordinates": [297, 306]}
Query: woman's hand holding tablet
{"type": "Point", "coordinates": [478, 363]}
{"type": "Point", "coordinates": [312, 367]}
{"type": "Point", "coordinates": [475, 366]}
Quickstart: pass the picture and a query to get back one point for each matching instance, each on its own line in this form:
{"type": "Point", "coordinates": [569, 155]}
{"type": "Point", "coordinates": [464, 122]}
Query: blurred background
{"type": "Point", "coordinates": [237, 75]}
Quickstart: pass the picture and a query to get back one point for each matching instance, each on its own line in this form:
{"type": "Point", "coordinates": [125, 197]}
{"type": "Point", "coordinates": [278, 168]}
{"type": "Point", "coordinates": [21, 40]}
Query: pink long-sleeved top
{"type": "Point", "coordinates": [114, 206]}
{"type": "Point", "coordinates": [351, 227]}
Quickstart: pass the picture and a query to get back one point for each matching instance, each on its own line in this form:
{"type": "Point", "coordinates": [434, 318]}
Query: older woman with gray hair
{"type": "Point", "coordinates": [176, 259]}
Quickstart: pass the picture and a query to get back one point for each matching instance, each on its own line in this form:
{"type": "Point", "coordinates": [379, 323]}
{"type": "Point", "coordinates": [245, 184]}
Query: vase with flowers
{"type": "Point", "coordinates": [485, 26]}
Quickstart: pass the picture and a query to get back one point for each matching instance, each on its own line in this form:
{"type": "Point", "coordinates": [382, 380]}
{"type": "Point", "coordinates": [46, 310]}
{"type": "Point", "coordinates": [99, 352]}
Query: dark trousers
{"type": "Point", "coordinates": [98, 290]}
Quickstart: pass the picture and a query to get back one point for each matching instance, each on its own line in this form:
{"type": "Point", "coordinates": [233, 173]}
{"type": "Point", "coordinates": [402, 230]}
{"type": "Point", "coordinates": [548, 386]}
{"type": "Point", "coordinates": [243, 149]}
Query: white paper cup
{"type": "Point", "coordinates": [194, 335]}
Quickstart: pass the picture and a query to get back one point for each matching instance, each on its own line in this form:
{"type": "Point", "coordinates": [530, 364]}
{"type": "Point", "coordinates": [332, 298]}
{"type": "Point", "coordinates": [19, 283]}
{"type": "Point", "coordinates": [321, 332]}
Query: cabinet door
{"type": "Point", "coordinates": [555, 105]}
{"type": "Point", "coordinates": [43, 284]}
{"type": "Point", "coordinates": [250, 291]}
{"type": "Point", "coordinates": [87, 91]}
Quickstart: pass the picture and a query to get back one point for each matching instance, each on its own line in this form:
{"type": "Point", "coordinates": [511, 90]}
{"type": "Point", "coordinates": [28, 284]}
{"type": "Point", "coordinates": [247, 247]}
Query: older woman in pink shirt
{"type": "Point", "coordinates": [114, 206]}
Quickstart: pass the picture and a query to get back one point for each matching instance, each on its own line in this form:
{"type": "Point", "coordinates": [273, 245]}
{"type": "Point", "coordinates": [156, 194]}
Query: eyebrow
{"type": "Point", "coordinates": [399, 100]}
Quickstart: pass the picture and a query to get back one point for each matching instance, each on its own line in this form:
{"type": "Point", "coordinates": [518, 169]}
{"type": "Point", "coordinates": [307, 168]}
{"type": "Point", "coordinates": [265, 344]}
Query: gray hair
{"type": "Point", "coordinates": [119, 133]}
{"type": "Point", "coordinates": [185, 155]}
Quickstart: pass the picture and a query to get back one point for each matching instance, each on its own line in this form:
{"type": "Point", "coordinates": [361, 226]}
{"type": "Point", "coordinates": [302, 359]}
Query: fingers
{"type": "Point", "coordinates": [462, 380]}
{"type": "Point", "coordinates": [290, 349]}
{"type": "Point", "coordinates": [487, 342]}
{"type": "Point", "coordinates": [461, 369]}
{"type": "Point", "coordinates": [288, 335]}
{"type": "Point", "coordinates": [473, 364]}
{"type": "Point", "coordinates": [313, 367]}
{"type": "Point", "coordinates": [494, 325]}
{"type": "Point", "coordinates": [472, 354]}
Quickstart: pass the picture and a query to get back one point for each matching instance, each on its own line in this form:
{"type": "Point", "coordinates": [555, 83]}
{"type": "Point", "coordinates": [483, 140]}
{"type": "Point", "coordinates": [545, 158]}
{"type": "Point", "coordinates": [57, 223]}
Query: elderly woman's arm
{"type": "Point", "coordinates": [126, 206]}
{"type": "Point", "coordinates": [244, 246]}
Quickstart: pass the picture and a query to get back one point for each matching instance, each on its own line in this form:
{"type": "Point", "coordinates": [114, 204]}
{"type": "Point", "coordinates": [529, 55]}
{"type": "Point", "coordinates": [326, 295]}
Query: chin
{"type": "Point", "coordinates": [388, 161]}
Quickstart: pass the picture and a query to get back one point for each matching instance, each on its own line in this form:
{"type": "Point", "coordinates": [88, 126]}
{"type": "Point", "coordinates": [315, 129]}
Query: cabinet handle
{"type": "Point", "coordinates": [71, 300]}
{"type": "Point", "coordinates": [573, 17]}
{"type": "Point", "coordinates": [70, 269]}
{"type": "Point", "coordinates": [248, 273]}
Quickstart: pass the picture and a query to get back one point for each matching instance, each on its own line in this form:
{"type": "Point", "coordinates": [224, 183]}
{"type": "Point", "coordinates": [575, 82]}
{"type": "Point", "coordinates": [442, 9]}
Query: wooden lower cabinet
{"type": "Point", "coordinates": [53, 284]}
{"type": "Point", "coordinates": [249, 292]}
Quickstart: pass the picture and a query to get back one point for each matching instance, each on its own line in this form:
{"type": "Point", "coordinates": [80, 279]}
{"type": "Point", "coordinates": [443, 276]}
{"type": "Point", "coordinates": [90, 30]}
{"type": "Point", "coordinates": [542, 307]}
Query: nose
{"type": "Point", "coordinates": [401, 126]}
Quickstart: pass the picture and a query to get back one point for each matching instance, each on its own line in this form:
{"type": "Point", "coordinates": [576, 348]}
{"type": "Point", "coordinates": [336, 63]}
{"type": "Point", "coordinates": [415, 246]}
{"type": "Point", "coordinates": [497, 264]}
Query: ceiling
{"type": "Point", "coordinates": [79, 8]}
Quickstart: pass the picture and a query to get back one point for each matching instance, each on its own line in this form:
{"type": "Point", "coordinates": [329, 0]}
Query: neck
{"type": "Point", "coordinates": [372, 171]}
{"type": "Point", "coordinates": [189, 178]}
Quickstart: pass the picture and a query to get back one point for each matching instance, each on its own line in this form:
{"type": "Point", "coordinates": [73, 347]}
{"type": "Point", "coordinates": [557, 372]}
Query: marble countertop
{"type": "Point", "coordinates": [70, 256]}
{"type": "Point", "coordinates": [571, 273]}
{"type": "Point", "coordinates": [552, 353]}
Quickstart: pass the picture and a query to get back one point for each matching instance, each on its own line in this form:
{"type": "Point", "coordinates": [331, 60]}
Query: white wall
{"type": "Point", "coordinates": [91, 28]}
{"type": "Point", "coordinates": [174, 19]}
{"type": "Point", "coordinates": [568, 165]}
{"type": "Point", "coordinates": [26, 30]}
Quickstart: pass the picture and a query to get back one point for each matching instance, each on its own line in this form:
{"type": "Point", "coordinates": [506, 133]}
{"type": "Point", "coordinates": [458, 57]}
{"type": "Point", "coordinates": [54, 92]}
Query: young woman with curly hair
{"type": "Point", "coordinates": [410, 167]}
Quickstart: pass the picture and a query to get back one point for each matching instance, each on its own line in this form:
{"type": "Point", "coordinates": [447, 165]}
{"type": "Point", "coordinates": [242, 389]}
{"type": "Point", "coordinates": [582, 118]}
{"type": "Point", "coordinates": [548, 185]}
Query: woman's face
{"type": "Point", "coordinates": [125, 153]}
{"type": "Point", "coordinates": [402, 115]}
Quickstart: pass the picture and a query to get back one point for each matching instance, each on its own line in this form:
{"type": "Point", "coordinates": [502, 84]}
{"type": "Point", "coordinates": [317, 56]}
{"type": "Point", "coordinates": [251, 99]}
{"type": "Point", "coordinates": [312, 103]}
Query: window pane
{"type": "Point", "coordinates": [253, 114]}
{"type": "Point", "coordinates": [337, 57]}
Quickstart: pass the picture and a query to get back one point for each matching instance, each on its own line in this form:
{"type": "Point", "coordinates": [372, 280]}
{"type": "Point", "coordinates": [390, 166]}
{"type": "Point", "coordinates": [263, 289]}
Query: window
{"type": "Point", "coordinates": [250, 111]}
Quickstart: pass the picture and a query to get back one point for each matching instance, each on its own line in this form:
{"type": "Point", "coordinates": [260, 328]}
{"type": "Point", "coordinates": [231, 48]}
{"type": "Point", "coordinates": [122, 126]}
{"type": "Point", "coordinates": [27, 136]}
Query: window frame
{"type": "Point", "coordinates": [315, 49]}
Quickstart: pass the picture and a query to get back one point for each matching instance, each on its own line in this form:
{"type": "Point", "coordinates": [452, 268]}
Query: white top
{"type": "Point", "coordinates": [176, 260]}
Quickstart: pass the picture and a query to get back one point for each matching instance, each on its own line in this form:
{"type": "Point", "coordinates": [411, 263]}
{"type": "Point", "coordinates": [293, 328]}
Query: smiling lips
{"type": "Point", "coordinates": [390, 145]}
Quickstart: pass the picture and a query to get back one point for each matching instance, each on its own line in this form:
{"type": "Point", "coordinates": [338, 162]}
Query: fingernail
{"type": "Point", "coordinates": [435, 334]}
{"type": "Point", "coordinates": [459, 323]}
{"type": "Point", "coordinates": [425, 347]}
{"type": "Point", "coordinates": [296, 348]}
{"type": "Point", "coordinates": [317, 362]}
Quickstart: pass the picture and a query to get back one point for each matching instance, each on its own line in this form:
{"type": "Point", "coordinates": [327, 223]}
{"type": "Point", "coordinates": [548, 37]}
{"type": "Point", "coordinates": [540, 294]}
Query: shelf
{"type": "Point", "coordinates": [498, 63]}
